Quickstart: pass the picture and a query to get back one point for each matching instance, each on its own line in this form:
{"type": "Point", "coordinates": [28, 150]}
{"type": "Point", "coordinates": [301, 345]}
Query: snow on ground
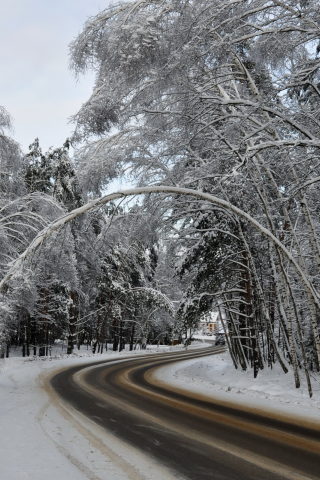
{"type": "Point", "coordinates": [40, 438]}
{"type": "Point", "coordinates": [204, 337]}
{"type": "Point", "coordinates": [59, 350]}
{"type": "Point", "coordinates": [215, 376]}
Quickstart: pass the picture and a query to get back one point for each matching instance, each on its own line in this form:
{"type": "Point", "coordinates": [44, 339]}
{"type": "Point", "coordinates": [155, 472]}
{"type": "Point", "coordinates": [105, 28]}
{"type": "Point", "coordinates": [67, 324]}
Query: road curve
{"type": "Point", "coordinates": [197, 438]}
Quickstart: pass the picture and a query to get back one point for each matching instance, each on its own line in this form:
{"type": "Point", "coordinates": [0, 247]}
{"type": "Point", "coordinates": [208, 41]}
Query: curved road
{"type": "Point", "coordinates": [197, 438]}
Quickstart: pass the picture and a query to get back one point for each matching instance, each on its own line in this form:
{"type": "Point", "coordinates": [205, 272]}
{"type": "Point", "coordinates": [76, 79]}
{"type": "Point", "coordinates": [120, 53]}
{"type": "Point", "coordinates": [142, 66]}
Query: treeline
{"type": "Point", "coordinates": [97, 281]}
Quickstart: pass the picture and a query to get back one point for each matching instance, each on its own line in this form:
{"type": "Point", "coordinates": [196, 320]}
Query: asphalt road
{"type": "Point", "coordinates": [195, 437]}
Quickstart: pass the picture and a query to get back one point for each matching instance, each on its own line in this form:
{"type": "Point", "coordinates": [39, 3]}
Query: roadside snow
{"type": "Point", "coordinates": [215, 376]}
{"type": "Point", "coordinates": [39, 438]}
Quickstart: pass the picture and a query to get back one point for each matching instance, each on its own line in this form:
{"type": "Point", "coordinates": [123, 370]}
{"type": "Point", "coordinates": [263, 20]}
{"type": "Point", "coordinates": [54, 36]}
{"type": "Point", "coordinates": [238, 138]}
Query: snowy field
{"type": "Point", "coordinates": [40, 438]}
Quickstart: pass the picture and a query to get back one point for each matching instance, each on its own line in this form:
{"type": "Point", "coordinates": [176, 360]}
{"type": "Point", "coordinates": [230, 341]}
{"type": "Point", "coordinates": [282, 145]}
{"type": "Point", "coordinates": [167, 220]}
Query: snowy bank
{"type": "Point", "coordinates": [40, 438]}
{"type": "Point", "coordinates": [216, 377]}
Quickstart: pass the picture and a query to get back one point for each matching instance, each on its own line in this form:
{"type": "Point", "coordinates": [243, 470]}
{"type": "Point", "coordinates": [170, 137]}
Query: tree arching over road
{"type": "Point", "coordinates": [60, 222]}
{"type": "Point", "coordinates": [215, 201]}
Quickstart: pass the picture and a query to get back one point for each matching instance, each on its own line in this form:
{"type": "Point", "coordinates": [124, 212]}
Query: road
{"type": "Point", "coordinates": [197, 438]}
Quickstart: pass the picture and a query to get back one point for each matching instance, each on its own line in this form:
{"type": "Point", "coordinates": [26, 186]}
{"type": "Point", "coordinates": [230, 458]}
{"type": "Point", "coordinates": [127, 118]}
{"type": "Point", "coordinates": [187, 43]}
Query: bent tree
{"type": "Point", "coordinates": [284, 254]}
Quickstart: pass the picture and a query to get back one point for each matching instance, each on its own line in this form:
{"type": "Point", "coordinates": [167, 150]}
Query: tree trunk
{"type": "Point", "coordinates": [72, 323]}
{"type": "Point", "coordinates": [132, 337]}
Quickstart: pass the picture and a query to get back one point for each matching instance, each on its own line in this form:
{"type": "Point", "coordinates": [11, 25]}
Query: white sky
{"type": "Point", "coordinates": [36, 85]}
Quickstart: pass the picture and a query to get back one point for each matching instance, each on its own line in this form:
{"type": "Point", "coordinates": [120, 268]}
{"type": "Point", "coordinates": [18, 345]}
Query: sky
{"type": "Point", "coordinates": [36, 86]}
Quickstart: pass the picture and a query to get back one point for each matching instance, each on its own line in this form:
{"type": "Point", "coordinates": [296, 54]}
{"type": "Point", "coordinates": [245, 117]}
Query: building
{"type": "Point", "coordinates": [210, 323]}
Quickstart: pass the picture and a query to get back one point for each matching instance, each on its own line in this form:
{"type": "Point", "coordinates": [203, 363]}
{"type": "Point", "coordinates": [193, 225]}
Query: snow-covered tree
{"type": "Point", "coordinates": [221, 98]}
{"type": "Point", "coordinates": [213, 106]}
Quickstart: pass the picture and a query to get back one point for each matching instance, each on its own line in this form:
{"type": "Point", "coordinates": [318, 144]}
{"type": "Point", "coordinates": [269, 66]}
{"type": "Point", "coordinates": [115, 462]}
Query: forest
{"type": "Point", "coordinates": [210, 111]}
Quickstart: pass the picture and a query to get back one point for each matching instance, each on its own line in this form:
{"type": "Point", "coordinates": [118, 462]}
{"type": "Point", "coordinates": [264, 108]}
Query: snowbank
{"type": "Point", "coordinates": [216, 377]}
{"type": "Point", "coordinates": [41, 439]}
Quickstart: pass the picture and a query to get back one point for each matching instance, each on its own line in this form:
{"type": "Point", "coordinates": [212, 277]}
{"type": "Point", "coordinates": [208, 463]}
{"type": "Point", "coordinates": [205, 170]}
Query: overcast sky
{"type": "Point", "coordinates": [36, 85]}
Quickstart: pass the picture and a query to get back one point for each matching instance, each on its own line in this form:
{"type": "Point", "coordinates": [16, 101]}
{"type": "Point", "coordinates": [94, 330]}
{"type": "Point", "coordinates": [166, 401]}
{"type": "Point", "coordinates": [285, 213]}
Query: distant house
{"type": "Point", "coordinates": [210, 322]}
